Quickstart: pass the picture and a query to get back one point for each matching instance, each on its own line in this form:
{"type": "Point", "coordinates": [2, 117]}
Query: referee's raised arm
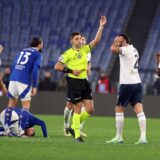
{"type": "Point", "coordinates": [98, 36]}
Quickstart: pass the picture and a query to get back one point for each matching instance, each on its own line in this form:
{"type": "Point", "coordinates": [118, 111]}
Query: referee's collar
{"type": "Point", "coordinates": [75, 49]}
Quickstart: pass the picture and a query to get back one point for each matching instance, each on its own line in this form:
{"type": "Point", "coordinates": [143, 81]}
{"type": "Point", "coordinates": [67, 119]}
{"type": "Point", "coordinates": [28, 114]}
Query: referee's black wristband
{"type": "Point", "coordinates": [67, 70]}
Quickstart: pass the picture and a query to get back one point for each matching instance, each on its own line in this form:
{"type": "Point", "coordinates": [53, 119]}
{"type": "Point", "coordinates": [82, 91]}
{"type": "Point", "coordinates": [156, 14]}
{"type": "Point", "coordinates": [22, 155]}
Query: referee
{"type": "Point", "coordinates": [74, 63]}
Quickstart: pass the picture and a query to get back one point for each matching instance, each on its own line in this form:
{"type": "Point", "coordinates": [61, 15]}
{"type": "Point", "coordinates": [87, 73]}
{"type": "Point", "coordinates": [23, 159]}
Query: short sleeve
{"type": "Point", "coordinates": [87, 48]}
{"type": "Point", "coordinates": [124, 50]}
{"type": "Point", "coordinates": [63, 58]}
{"type": "Point", "coordinates": [89, 57]}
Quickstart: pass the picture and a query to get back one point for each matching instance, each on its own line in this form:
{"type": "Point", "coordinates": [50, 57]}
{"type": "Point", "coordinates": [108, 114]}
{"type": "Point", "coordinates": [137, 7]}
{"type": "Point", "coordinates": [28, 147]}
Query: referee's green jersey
{"type": "Point", "coordinates": [76, 60]}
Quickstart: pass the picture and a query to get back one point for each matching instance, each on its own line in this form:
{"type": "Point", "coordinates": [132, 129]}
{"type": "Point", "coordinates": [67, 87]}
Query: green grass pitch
{"type": "Point", "coordinates": [98, 129]}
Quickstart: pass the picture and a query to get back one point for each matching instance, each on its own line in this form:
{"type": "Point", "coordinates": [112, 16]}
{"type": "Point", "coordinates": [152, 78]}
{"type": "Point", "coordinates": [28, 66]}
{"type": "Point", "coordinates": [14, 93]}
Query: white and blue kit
{"type": "Point", "coordinates": [24, 73]}
{"type": "Point", "coordinates": [12, 119]}
{"type": "Point", "coordinates": [130, 90]}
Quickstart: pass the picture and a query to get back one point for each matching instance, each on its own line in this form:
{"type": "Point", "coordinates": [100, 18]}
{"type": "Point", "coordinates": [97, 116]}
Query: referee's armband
{"type": "Point", "coordinates": [67, 70]}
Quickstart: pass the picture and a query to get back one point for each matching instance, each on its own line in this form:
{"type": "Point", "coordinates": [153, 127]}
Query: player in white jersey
{"type": "Point", "coordinates": [130, 90]}
{"type": "Point", "coordinates": [69, 105]}
{"type": "Point", "coordinates": [2, 85]}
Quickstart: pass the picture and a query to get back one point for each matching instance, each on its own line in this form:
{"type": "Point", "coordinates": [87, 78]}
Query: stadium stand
{"type": "Point", "coordinates": [23, 19]}
{"type": "Point", "coordinates": [152, 46]}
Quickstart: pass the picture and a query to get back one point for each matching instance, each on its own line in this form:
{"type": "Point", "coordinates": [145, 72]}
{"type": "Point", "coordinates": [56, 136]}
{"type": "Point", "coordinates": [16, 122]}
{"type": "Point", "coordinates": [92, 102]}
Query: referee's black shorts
{"type": "Point", "coordinates": [78, 90]}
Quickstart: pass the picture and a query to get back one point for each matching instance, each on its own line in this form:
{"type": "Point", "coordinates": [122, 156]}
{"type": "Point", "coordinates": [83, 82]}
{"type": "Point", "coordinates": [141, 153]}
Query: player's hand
{"type": "Point", "coordinates": [3, 87]}
{"type": "Point", "coordinates": [118, 39]}
{"type": "Point", "coordinates": [103, 21]}
{"type": "Point", "coordinates": [34, 91]}
{"type": "Point", "coordinates": [4, 90]}
{"type": "Point", "coordinates": [76, 72]}
{"type": "Point", "coordinates": [1, 48]}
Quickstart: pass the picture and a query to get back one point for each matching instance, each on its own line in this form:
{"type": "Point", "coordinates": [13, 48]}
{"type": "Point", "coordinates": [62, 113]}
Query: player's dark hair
{"type": "Point", "coordinates": [75, 34]}
{"type": "Point", "coordinates": [35, 42]}
{"type": "Point", "coordinates": [126, 37]}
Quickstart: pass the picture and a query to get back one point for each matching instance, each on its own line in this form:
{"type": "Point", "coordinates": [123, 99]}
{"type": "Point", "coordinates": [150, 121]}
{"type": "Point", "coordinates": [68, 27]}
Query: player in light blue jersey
{"type": "Point", "coordinates": [24, 74]}
{"type": "Point", "coordinates": [10, 119]}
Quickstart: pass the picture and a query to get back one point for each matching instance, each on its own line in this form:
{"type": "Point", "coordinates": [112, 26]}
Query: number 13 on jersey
{"type": "Point", "coordinates": [23, 58]}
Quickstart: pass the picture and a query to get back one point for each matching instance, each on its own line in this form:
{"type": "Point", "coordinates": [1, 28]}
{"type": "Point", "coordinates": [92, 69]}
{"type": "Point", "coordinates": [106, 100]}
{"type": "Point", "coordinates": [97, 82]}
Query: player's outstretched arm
{"type": "Point", "coordinates": [98, 36]}
{"type": "Point", "coordinates": [41, 123]}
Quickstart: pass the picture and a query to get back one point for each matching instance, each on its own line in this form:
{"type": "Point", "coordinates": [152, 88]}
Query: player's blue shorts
{"type": "Point", "coordinates": [129, 93]}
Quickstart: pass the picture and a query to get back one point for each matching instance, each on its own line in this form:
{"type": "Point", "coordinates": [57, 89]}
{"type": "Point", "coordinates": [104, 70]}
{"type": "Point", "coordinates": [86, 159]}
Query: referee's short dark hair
{"type": "Point", "coordinates": [35, 42]}
{"type": "Point", "coordinates": [126, 37]}
{"type": "Point", "coordinates": [75, 34]}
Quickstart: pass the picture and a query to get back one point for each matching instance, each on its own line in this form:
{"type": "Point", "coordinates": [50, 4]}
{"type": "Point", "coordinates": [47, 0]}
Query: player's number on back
{"type": "Point", "coordinates": [23, 58]}
{"type": "Point", "coordinates": [136, 64]}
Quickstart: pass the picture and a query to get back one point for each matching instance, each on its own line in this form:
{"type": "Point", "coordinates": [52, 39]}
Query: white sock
{"type": "Point", "coordinates": [81, 125]}
{"type": "Point", "coordinates": [142, 124]}
{"type": "Point", "coordinates": [83, 109]}
{"type": "Point", "coordinates": [119, 124]}
{"type": "Point", "coordinates": [67, 117]}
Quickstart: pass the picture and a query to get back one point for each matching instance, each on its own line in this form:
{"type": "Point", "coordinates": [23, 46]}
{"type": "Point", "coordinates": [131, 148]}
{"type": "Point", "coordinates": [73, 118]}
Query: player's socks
{"type": "Point", "coordinates": [119, 124]}
{"type": "Point", "coordinates": [142, 124]}
{"type": "Point", "coordinates": [23, 121]}
{"type": "Point", "coordinates": [2, 131]}
{"type": "Point", "coordinates": [8, 114]}
{"type": "Point", "coordinates": [81, 125]}
{"type": "Point", "coordinates": [76, 124]}
{"type": "Point", "coordinates": [84, 115]}
{"type": "Point", "coordinates": [83, 109]}
{"type": "Point", "coordinates": [67, 117]}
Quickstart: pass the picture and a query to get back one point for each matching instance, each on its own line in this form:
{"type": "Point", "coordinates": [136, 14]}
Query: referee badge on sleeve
{"type": "Point", "coordinates": [61, 59]}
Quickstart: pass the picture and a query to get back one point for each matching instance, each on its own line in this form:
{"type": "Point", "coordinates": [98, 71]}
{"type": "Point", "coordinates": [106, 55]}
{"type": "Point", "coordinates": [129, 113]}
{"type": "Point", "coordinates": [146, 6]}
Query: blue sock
{"type": "Point", "coordinates": [24, 118]}
{"type": "Point", "coordinates": [8, 114]}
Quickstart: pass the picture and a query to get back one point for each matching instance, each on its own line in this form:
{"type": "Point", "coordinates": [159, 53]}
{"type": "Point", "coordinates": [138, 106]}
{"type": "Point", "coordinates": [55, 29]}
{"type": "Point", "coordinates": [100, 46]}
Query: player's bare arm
{"type": "Point", "coordinates": [98, 36]}
{"type": "Point", "coordinates": [158, 64]}
{"type": "Point", "coordinates": [1, 48]}
{"type": "Point", "coordinates": [115, 47]}
{"type": "Point", "coordinates": [2, 86]}
{"type": "Point", "coordinates": [62, 68]}
{"type": "Point", "coordinates": [34, 91]}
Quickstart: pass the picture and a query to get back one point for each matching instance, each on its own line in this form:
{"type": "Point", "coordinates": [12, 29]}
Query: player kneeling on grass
{"type": "Point", "coordinates": [13, 119]}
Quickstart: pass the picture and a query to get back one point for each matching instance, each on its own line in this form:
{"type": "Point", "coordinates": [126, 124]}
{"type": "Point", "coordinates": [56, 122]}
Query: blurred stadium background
{"type": "Point", "coordinates": [55, 20]}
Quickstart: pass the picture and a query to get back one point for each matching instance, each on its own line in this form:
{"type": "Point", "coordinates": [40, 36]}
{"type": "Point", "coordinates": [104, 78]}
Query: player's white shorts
{"type": "Point", "coordinates": [14, 121]}
{"type": "Point", "coordinates": [18, 89]}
